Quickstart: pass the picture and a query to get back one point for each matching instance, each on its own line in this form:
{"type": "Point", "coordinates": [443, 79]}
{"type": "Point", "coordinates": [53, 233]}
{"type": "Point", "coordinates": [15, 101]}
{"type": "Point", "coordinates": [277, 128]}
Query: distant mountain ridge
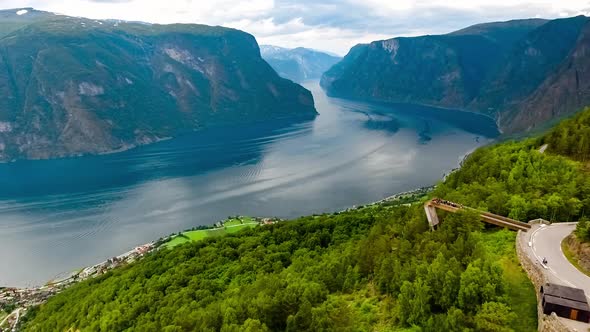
{"type": "Point", "coordinates": [522, 72]}
{"type": "Point", "coordinates": [73, 86]}
{"type": "Point", "coordinates": [298, 64]}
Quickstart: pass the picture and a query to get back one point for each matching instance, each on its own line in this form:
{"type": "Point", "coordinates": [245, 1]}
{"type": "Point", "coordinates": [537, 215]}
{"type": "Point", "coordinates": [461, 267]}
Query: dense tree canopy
{"type": "Point", "coordinates": [514, 179]}
{"type": "Point", "coordinates": [378, 268]}
{"type": "Point", "coordinates": [571, 137]}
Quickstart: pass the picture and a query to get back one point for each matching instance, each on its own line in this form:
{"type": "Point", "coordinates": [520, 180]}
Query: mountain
{"type": "Point", "coordinates": [298, 64]}
{"type": "Point", "coordinates": [73, 86]}
{"type": "Point", "coordinates": [522, 72]}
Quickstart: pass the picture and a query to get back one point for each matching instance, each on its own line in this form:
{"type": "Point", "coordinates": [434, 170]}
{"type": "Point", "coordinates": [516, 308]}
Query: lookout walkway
{"type": "Point", "coordinates": [490, 218]}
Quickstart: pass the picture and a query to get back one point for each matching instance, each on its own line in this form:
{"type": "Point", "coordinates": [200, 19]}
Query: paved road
{"type": "Point", "coordinates": [5, 318]}
{"type": "Point", "coordinates": [546, 242]}
{"type": "Point", "coordinates": [543, 148]}
{"type": "Point", "coordinates": [15, 312]}
{"type": "Point", "coordinates": [17, 318]}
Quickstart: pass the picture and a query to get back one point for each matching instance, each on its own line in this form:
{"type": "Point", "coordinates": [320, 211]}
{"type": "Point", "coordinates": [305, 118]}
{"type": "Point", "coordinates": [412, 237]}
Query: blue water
{"type": "Point", "coordinates": [57, 216]}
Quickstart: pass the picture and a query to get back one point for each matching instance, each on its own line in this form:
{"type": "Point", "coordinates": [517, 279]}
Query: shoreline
{"type": "Point", "coordinates": [416, 191]}
{"type": "Point", "coordinates": [35, 295]}
{"type": "Point", "coordinates": [23, 299]}
{"type": "Point", "coordinates": [281, 121]}
{"type": "Point", "coordinates": [158, 243]}
{"type": "Point", "coordinates": [462, 160]}
{"type": "Point", "coordinates": [425, 105]}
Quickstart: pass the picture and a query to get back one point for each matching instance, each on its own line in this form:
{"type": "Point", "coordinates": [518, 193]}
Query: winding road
{"type": "Point", "coordinates": [545, 242]}
{"type": "Point", "coordinates": [15, 312]}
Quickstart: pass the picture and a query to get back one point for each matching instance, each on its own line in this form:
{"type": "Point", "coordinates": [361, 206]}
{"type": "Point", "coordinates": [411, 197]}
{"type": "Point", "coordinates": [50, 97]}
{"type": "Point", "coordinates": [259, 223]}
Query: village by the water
{"type": "Point", "coordinates": [14, 302]}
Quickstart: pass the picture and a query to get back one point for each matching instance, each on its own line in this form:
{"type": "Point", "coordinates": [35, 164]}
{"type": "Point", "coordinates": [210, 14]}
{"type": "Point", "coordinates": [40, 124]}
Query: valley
{"type": "Point", "coordinates": [175, 176]}
{"type": "Point", "coordinates": [352, 154]}
{"type": "Point", "coordinates": [523, 73]}
{"type": "Point", "coordinates": [298, 64]}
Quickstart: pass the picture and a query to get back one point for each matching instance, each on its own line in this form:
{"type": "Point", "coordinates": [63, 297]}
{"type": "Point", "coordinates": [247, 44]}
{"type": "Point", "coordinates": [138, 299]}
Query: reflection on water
{"type": "Point", "coordinates": [59, 215]}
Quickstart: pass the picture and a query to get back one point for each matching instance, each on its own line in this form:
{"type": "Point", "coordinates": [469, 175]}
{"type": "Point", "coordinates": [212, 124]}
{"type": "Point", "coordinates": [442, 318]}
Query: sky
{"type": "Point", "coordinates": [330, 25]}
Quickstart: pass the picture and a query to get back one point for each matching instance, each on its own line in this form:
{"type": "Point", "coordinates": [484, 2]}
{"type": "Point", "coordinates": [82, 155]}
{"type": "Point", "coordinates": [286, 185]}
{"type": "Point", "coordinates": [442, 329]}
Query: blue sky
{"type": "Point", "coordinates": [332, 25]}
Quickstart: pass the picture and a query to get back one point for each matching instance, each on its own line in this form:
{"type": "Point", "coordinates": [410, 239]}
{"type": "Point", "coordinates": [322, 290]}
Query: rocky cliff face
{"type": "Point", "coordinates": [298, 64]}
{"type": "Point", "coordinates": [73, 86]}
{"type": "Point", "coordinates": [521, 72]}
{"type": "Point", "coordinates": [563, 91]}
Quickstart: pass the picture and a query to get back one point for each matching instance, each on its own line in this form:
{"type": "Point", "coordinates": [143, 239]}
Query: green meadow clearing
{"type": "Point", "coordinates": [230, 226]}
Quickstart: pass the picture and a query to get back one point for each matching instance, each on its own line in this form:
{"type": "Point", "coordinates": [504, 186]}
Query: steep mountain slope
{"type": "Point", "coordinates": [14, 19]}
{"type": "Point", "coordinates": [502, 69]}
{"type": "Point", "coordinates": [73, 86]}
{"type": "Point", "coordinates": [563, 90]}
{"type": "Point", "coordinates": [505, 34]}
{"type": "Point", "coordinates": [298, 64]}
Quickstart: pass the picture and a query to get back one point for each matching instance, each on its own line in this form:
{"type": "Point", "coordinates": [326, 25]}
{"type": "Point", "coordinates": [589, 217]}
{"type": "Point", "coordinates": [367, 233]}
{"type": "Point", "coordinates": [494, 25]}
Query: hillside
{"type": "Point", "coordinates": [375, 268]}
{"type": "Point", "coordinates": [298, 64]}
{"type": "Point", "coordinates": [523, 72]}
{"type": "Point", "coordinates": [75, 86]}
{"type": "Point", "coordinates": [341, 272]}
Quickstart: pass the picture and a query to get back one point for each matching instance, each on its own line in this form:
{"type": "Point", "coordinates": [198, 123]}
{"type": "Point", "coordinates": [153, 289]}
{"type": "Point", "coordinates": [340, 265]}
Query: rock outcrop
{"type": "Point", "coordinates": [524, 73]}
{"type": "Point", "coordinates": [73, 86]}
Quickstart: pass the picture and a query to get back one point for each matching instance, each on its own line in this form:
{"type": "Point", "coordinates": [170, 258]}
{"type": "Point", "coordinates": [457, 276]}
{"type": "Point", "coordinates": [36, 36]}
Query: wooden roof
{"type": "Point", "coordinates": [565, 296]}
{"type": "Point", "coordinates": [567, 303]}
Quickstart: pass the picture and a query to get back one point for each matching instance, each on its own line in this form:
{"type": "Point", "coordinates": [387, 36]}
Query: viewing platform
{"type": "Point", "coordinates": [487, 217]}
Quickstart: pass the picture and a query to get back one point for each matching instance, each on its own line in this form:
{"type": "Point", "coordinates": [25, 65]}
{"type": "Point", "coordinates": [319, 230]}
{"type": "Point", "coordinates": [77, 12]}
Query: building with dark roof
{"type": "Point", "coordinates": [565, 302]}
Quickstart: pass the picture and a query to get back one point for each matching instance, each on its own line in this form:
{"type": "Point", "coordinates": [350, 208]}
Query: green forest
{"type": "Point", "coordinates": [571, 137]}
{"type": "Point", "coordinates": [379, 268]}
{"type": "Point", "coordinates": [374, 269]}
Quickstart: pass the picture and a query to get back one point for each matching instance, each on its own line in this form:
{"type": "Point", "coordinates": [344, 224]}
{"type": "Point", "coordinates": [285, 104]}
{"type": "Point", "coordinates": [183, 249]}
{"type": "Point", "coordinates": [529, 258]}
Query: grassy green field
{"type": "Point", "coordinates": [241, 221]}
{"type": "Point", "coordinates": [521, 292]}
{"type": "Point", "coordinates": [174, 242]}
{"type": "Point", "coordinates": [238, 228]}
{"type": "Point", "coordinates": [230, 226]}
{"type": "Point", "coordinates": [232, 222]}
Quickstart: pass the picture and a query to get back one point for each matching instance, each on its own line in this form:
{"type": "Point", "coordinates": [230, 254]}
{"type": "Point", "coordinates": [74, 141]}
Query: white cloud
{"type": "Point", "coordinates": [267, 27]}
{"type": "Point", "coordinates": [334, 25]}
{"type": "Point", "coordinates": [169, 11]}
{"type": "Point", "coordinates": [332, 39]}
{"type": "Point", "coordinates": [549, 6]}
